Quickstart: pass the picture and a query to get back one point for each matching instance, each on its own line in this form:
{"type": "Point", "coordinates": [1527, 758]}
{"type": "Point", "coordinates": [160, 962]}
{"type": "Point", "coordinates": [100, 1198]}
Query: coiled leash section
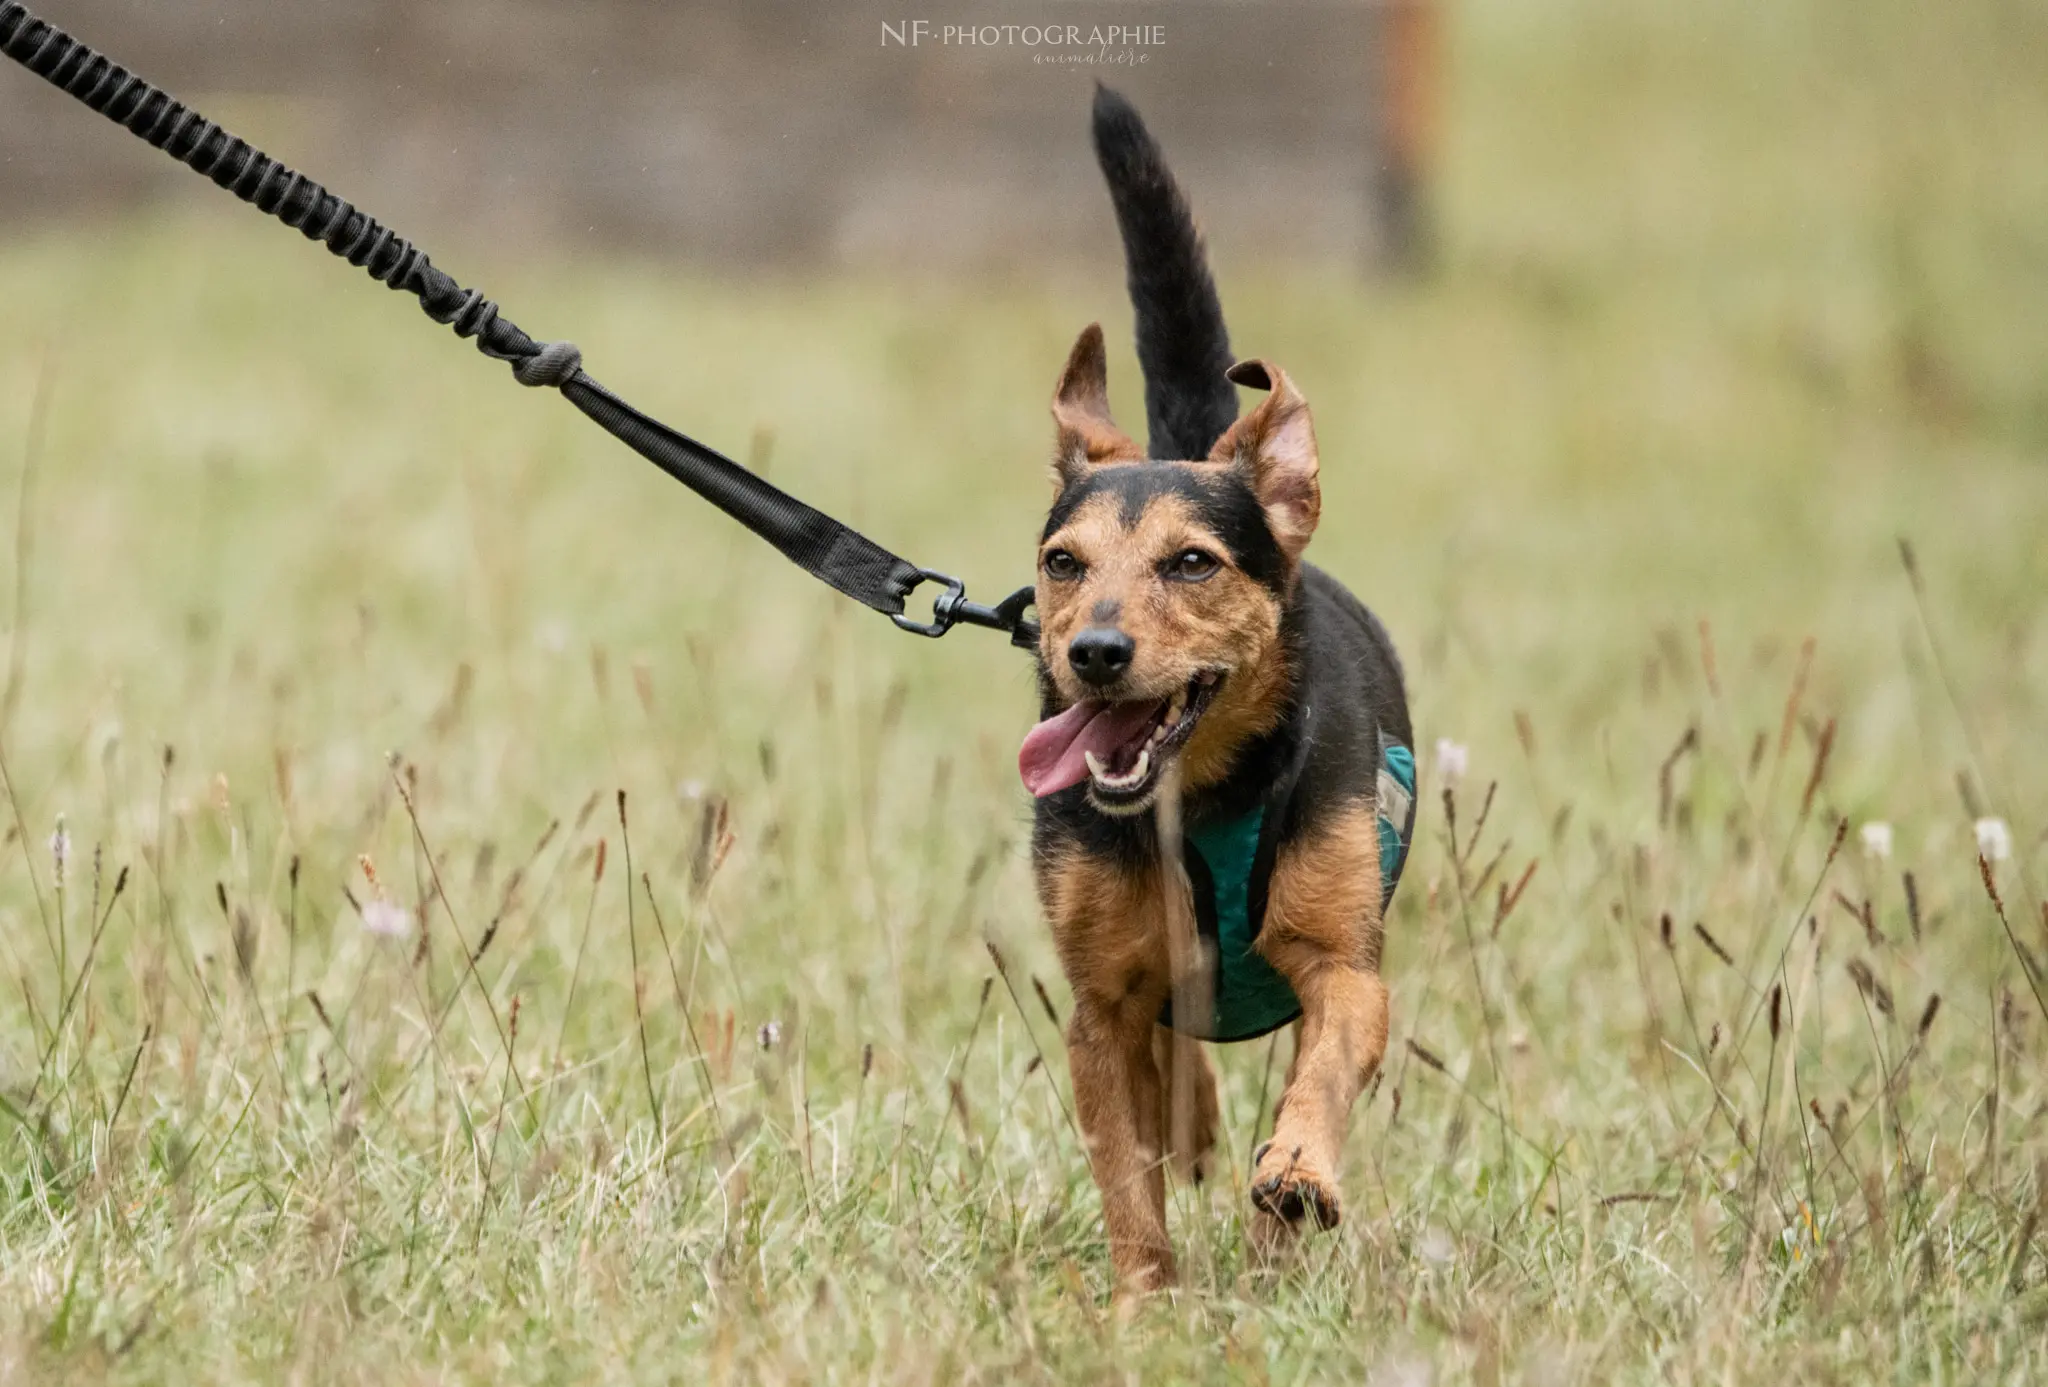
{"type": "Point", "coordinates": [814, 541]}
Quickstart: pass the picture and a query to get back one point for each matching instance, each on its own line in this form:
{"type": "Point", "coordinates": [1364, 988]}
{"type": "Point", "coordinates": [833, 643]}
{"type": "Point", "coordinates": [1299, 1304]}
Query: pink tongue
{"type": "Point", "coordinates": [1054, 752]}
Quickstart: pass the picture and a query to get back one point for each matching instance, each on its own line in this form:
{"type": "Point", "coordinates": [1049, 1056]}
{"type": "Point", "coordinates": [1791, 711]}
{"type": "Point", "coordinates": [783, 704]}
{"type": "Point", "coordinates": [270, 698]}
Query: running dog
{"type": "Point", "coordinates": [1223, 770]}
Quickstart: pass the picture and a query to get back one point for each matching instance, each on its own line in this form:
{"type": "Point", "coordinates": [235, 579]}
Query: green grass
{"type": "Point", "coordinates": [1733, 298]}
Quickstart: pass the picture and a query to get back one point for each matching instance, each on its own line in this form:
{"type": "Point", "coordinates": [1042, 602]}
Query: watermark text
{"type": "Point", "coordinates": [1125, 45]}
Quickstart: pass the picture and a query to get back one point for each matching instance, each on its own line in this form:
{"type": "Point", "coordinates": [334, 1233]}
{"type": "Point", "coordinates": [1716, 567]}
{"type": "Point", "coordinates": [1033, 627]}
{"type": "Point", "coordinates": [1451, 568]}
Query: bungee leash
{"type": "Point", "coordinates": [812, 540]}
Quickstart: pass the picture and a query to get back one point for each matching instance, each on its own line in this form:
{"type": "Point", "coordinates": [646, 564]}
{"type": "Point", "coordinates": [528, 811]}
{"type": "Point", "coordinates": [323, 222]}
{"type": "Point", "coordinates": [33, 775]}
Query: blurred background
{"type": "Point", "coordinates": [1638, 335]}
{"type": "Point", "coordinates": [775, 132]}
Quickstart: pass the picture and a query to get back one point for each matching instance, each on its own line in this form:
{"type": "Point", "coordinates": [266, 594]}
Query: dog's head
{"type": "Point", "coordinates": [1162, 587]}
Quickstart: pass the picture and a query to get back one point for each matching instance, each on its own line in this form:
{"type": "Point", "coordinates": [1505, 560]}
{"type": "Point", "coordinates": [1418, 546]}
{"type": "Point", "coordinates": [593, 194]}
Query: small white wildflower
{"type": "Point", "coordinates": [60, 849]}
{"type": "Point", "coordinates": [770, 1035]}
{"type": "Point", "coordinates": [383, 918]}
{"type": "Point", "coordinates": [1994, 840]}
{"type": "Point", "coordinates": [553, 636]}
{"type": "Point", "coordinates": [1452, 758]}
{"type": "Point", "coordinates": [1435, 1246]}
{"type": "Point", "coordinates": [1877, 840]}
{"type": "Point", "coordinates": [690, 791]}
{"type": "Point", "coordinates": [1403, 1370]}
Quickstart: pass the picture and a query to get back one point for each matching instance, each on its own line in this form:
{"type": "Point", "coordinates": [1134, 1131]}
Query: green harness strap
{"type": "Point", "coordinates": [1252, 998]}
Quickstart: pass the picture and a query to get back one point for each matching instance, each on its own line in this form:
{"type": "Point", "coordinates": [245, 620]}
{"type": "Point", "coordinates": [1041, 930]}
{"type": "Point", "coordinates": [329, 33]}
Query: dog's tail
{"type": "Point", "coordinates": [1182, 343]}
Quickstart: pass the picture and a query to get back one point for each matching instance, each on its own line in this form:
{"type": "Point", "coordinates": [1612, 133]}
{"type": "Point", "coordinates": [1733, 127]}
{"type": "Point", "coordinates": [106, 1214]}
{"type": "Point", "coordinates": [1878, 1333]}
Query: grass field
{"type": "Point", "coordinates": [301, 591]}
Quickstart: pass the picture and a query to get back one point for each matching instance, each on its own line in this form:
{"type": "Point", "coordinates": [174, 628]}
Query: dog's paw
{"type": "Point", "coordinates": [1289, 1187]}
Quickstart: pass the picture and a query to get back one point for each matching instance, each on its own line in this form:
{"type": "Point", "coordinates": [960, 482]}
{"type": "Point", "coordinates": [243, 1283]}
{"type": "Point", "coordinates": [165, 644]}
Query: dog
{"type": "Point", "coordinates": [1223, 769]}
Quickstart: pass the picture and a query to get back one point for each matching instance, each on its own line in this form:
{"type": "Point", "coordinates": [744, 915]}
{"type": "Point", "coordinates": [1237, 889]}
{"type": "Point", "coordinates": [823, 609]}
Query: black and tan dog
{"type": "Point", "coordinates": [1205, 688]}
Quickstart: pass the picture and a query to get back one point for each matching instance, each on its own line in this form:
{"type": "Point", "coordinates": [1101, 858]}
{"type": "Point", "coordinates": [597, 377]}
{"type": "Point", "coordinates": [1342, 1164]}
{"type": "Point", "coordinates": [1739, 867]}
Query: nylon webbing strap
{"type": "Point", "coordinates": [845, 559]}
{"type": "Point", "coordinates": [812, 540]}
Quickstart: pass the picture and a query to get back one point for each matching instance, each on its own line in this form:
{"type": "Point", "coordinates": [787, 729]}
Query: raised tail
{"type": "Point", "coordinates": [1182, 343]}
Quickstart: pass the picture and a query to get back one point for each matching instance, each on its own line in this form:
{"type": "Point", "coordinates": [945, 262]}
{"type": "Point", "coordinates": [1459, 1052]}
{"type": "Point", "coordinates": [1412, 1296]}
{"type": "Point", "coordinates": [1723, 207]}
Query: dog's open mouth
{"type": "Point", "coordinates": [1118, 748]}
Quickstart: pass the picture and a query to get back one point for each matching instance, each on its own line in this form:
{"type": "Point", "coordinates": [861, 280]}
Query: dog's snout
{"type": "Point", "coordinates": [1101, 654]}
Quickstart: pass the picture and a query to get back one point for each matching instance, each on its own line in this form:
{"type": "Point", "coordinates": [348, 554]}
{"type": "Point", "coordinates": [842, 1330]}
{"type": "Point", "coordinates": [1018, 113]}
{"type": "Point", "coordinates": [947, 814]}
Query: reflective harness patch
{"type": "Point", "coordinates": [1229, 865]}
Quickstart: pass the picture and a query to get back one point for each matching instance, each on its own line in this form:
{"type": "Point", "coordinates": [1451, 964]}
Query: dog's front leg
{"type": "Point", "coordinates": [1117, 1096]}
{"type": "Point", "coordinates": [1323, 935]}
{"type": "Point", "coordinates": [1344, 1036]}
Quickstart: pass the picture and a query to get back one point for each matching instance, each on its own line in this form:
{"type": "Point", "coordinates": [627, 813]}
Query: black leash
{"type": "Point", "coordinates": [809, 538]}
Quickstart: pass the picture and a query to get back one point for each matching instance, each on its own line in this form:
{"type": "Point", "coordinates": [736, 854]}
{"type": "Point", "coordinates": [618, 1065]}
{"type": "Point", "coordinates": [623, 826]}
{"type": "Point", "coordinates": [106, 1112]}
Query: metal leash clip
{"type": "Point", "coordinates": [952, 607]}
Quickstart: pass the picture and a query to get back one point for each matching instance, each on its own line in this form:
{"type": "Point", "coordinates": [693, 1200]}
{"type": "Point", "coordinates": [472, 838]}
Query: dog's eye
{"type": "Point", "coordinates": [1061, 565]}
{"type": "Point", "coordinates": [1192, 565]}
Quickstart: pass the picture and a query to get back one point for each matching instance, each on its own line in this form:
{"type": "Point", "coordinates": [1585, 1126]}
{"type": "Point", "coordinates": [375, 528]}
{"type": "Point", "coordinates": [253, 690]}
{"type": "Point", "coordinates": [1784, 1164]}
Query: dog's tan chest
{"type": "Point", "coordinates": [1110, 927]}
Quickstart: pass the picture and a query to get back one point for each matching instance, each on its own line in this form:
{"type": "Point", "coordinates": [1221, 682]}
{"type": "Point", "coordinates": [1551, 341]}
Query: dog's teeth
{"type": "Point", "coordinates": [1176, 708]}
{"type": "Point", "coordinates": [1134, 776]}
{"type": "Point", "coordinates": [1206, 677]}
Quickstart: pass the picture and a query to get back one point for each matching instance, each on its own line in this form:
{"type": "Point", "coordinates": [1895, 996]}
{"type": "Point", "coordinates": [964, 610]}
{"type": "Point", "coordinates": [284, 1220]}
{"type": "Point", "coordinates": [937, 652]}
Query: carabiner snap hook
{"type": "Point", "coordinates": [951, 608]}
{"type": "Point", "coordinates": [944, 606]}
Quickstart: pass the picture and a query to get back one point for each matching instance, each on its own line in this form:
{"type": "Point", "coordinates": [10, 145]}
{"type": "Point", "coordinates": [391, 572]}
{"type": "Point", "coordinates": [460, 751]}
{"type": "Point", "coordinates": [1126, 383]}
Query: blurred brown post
{"type": "Point", "coordinates": [1410, 60]}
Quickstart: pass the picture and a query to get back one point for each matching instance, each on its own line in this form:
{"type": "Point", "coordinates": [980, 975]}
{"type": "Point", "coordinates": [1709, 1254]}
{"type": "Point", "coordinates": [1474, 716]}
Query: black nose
{"type": "Point", "coordinates": [1101, 654]}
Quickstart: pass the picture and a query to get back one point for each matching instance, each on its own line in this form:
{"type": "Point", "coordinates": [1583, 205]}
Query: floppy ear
{"type": "Point", "coordinates": [1275, 448]}
{"type": "Point", "coordinates": [1080, 407]}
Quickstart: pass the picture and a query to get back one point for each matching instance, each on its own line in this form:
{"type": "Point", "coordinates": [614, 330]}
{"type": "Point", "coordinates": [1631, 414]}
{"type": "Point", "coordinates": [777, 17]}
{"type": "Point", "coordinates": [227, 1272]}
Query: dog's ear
{"type": "Point", "coordinates": [1080, 407]}
{"type": "Point", "coordinates": [1274, 447]}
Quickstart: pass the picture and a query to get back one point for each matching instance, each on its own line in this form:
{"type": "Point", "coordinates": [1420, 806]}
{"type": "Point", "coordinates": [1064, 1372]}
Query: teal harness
{"type": "Point", "coordinates": [1228, 865]}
